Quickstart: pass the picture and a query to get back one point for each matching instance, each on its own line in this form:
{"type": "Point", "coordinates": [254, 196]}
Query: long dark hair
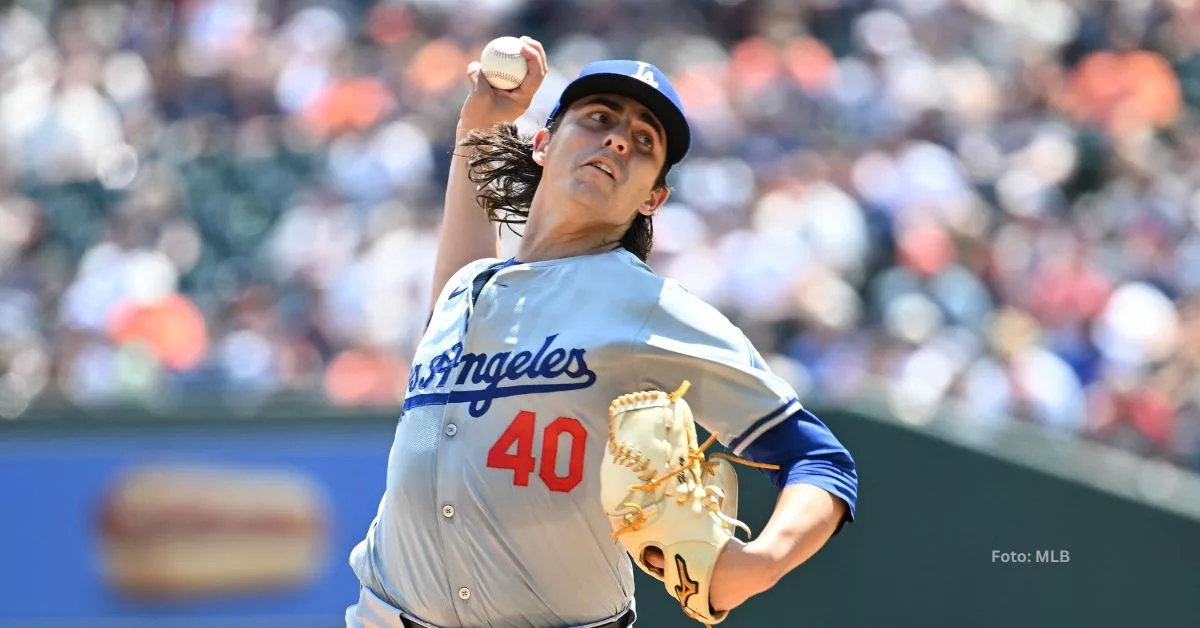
{"type": "Point", "coordinates": [502, 167]}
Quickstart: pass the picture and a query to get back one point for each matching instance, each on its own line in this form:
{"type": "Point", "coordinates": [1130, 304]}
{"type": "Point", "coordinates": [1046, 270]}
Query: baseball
{"type": "Point", "coordinates": [502, 64]}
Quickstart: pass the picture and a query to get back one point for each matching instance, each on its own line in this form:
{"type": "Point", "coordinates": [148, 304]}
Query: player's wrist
{"type": "Point", "coordinates": [466, 124]}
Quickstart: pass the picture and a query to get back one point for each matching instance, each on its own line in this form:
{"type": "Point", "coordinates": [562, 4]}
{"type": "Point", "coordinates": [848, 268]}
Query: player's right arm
{"type": "Point", "coordinates": [466, 234]}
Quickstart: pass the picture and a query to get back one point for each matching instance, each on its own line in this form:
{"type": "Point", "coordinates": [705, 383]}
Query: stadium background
{"type": "Point", "coordinates": [965, 229]}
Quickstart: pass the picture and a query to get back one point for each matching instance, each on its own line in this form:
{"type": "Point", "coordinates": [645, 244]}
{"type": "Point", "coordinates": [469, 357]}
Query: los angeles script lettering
{"type": "Point", "coordinates": [503, 373]}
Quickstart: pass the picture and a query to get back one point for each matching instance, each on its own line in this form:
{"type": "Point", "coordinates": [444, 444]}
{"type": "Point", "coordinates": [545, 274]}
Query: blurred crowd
{"type": "Point", "coordinates": [992, 202]}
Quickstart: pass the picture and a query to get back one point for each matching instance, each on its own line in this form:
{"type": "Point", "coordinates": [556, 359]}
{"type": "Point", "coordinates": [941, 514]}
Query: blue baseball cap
{"type": "Point", "coordinates": [640, 81]}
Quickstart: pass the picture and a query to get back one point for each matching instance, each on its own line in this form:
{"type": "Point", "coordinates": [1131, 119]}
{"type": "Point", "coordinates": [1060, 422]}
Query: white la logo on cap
{"type": "Point", "coordinates": [645, 75]}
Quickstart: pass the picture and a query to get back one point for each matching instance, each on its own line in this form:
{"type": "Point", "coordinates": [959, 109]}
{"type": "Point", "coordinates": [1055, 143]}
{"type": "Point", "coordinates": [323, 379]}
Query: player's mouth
{"type": "Point", "coordinates": [603, 165]}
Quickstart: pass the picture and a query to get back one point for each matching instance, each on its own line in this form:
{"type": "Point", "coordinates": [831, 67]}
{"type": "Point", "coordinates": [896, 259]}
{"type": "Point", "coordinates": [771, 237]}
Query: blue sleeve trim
{"type": "Point", "coordinates": [827, 476]}
{"type": "Point", "coordinates": [747, 437]}
{"type": "Point", "coordinates": [807, 452]}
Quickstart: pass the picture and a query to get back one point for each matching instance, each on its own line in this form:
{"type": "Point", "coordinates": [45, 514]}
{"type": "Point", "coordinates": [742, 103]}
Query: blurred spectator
{"type": "Point", "coordinates": [990, 202]}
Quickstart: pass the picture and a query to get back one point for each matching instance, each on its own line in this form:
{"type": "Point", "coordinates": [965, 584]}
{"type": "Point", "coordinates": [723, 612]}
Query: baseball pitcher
{"type": "Point", "coordinates": [525, 387]}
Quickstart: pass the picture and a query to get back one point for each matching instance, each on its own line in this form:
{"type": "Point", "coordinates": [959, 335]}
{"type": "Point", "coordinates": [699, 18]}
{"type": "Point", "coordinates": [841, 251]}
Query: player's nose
{"type": "Point", "coordinates": [617, 143]}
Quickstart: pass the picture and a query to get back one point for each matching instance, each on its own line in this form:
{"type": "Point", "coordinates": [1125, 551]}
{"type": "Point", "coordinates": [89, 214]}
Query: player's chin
{"type": "Point", "coordinates": [592, 190]}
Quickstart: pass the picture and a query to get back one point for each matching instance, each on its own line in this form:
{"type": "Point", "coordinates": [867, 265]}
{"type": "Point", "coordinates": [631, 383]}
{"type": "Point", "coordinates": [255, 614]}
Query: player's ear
{"type": "Point", "coordinates": [541, 141]}
{"type": "Point", "coordinates": [657, 197]}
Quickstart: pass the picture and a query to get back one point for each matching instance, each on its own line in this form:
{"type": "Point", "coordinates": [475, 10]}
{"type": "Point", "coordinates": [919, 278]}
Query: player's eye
{"type": "Point", "coordinates": [645, 140]}
{"type": "Point", "coordinates": [599, 116]}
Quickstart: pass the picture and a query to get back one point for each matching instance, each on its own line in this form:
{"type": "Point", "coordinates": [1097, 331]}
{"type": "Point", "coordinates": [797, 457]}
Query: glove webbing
{"type": "Point", "coordinates": [707, 467]}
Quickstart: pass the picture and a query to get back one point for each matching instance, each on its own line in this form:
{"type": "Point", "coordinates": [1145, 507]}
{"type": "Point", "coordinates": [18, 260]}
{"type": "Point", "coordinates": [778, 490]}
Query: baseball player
{"type": "Point", "coordinates": [490, 515]}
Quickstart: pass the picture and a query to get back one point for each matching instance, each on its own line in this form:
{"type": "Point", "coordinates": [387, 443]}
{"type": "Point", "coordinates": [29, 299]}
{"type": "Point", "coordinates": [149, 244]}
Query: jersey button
{"type": "Point", "coordinates": [447, 511]}
{"type": "Point", "coordinates": [451, 429]}
{"type": "Point", "coordinates": [464, 593]}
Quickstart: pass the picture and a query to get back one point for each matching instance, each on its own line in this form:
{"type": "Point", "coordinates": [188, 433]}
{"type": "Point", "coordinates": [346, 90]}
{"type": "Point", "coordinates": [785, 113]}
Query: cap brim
{"type": "Point", "coordinates": [679, 135]}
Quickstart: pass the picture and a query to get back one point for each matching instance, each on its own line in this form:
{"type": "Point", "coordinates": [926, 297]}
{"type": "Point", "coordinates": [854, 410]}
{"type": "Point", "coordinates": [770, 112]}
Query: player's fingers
{"type": "Point", "coordinates": [541, 51]}
{"type": "Point", "coordinates": [472, 76]}
{"type": "Point", "coordinates": [534, 60]}
{"type": "Point", "coordinates": [536, 71]}
{"type": "Point", "coordinates": [654, 557]}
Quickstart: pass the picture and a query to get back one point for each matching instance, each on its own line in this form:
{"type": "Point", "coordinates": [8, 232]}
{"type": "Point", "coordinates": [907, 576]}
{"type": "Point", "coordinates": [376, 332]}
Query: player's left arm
{"type": "Point", "coordinates": [757, 416]}
{"type": "Point", "coordinates": [818, 484]}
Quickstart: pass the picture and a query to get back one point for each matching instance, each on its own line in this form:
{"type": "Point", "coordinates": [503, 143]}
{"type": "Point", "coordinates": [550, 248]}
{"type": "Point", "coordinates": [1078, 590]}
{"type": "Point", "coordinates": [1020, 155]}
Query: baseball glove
{"type": "Point", "coordinates": [661, 493]}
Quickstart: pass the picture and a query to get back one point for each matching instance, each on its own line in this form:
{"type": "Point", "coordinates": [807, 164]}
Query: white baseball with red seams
{"type": "Point", "coordinates": [502, 63]}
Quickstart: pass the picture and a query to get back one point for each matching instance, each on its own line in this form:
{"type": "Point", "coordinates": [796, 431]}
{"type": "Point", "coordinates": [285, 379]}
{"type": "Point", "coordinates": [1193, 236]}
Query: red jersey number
{"type": "Point", "coordinates": [563, 432]}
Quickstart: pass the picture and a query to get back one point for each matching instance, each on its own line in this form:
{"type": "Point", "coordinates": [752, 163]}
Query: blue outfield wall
{"type": "Point", "coordinates": [53, 483]}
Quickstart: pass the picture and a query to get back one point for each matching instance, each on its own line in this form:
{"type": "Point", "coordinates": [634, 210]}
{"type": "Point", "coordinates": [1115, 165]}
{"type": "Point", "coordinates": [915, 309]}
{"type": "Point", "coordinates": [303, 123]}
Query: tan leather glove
{"type": "Point", "coordinates": [660, 492]}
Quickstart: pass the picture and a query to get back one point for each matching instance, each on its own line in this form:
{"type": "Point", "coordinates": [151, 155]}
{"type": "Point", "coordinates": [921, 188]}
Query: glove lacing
{"type": "Point", "coordinates": [710, 497]}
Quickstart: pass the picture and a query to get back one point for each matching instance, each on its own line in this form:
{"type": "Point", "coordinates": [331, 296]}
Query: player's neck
{"type": "Point", "coordinates": [550, 236]}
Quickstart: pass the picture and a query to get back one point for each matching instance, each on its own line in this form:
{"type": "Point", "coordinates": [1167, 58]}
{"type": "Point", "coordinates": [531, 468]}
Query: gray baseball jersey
{"type": "Point", "coordinates": [491, 515]}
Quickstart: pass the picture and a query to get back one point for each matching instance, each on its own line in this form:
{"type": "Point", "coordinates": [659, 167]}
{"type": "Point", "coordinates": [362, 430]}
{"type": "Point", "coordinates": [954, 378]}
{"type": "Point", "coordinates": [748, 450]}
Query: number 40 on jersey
{"type": "Point", "coordinates": [519, 436]}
